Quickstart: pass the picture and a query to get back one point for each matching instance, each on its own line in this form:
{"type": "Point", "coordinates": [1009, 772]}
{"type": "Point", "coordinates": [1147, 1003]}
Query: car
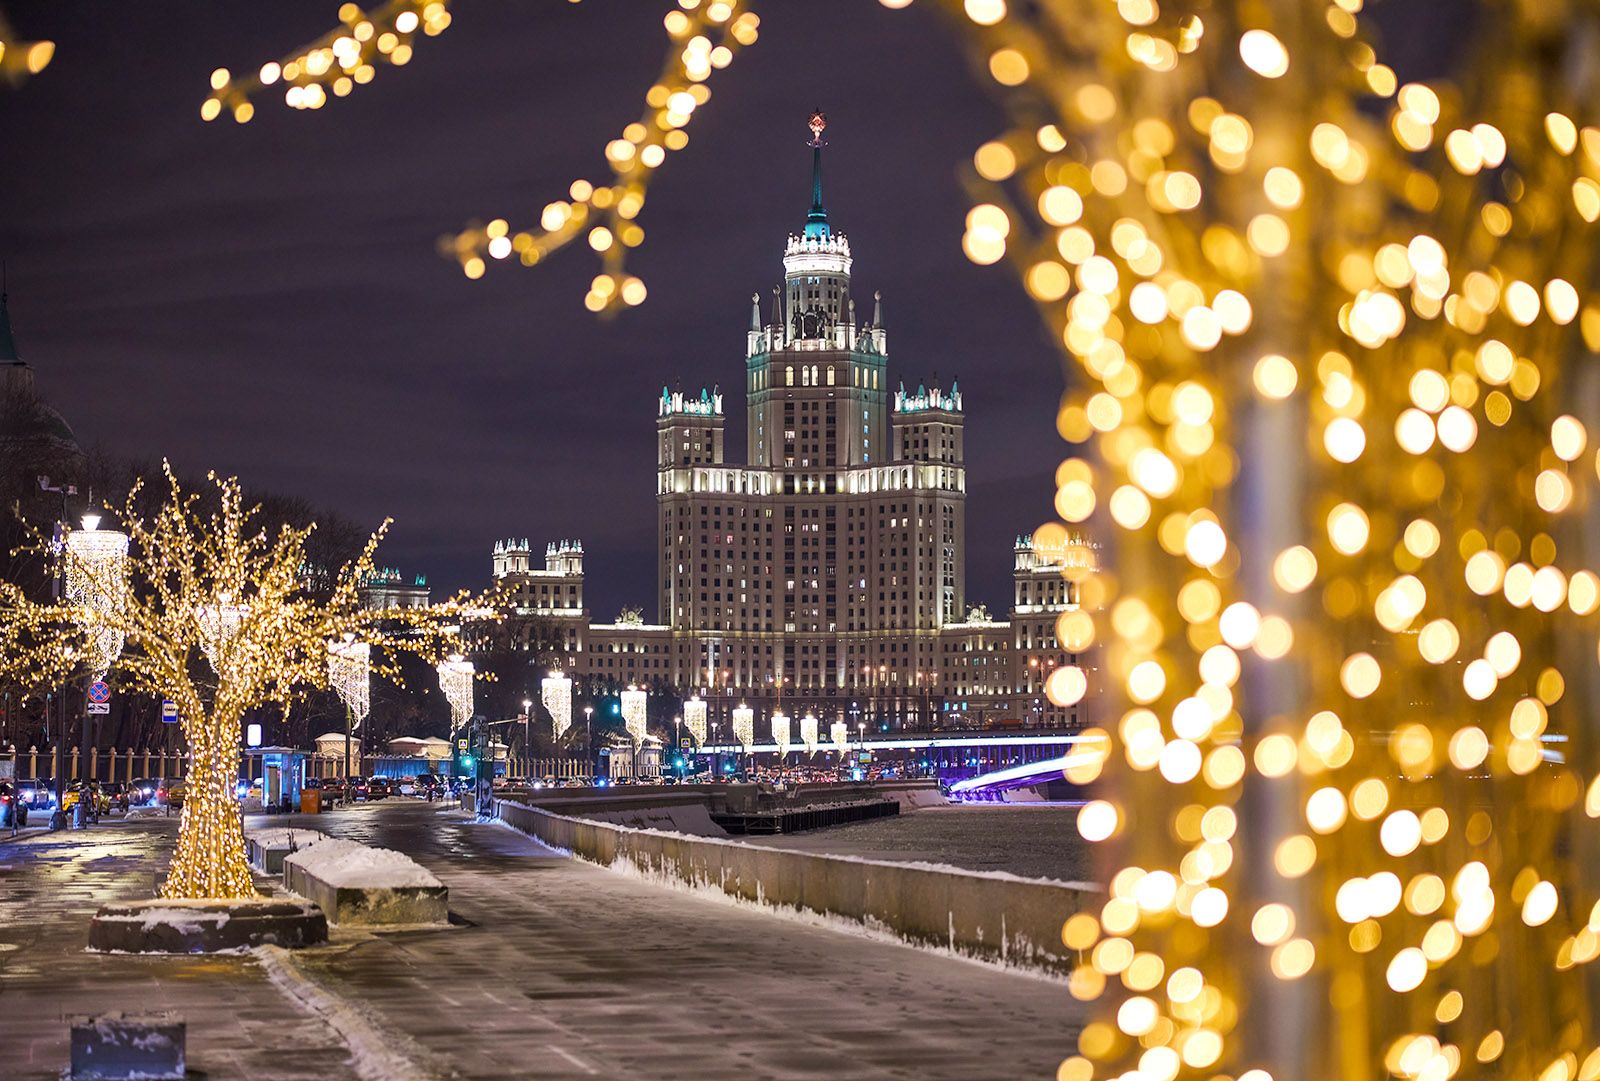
{"type": "Point", "coordinates": [170, 794]}
{"type": "Point", "coordinates": [356, 788]}
{"type": "Point", "coordinates": [120, 795]}
{"type": "Point", "coordinates": [101, 802]}
{"type": "Point", "coordinates": [430, 785]}
{"type": "Point", "coordinates": [142, 791]}
{"type": "Point", "coordinates": [39, 794]}
{"type": "Point", "coordinates": [13, 809]}
{"type": "Point", "coordinates": [378, 788]}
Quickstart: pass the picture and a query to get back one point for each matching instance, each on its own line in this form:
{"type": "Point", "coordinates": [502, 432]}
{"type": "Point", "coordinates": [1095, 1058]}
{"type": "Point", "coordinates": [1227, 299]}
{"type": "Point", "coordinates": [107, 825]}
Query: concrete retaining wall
{"type": "Point", "coordinates": [993, 916]}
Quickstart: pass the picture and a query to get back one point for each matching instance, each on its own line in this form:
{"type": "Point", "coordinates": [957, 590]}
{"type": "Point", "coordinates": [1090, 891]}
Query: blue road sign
{"type": "Point", "coordinates": [169, 711]}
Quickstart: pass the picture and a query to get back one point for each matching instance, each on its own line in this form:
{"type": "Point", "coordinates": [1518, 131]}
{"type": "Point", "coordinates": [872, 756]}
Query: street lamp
{"type": "Point", "coordinates": [527, 740]}
{"type": "Point", "coordinates": [588, 736]}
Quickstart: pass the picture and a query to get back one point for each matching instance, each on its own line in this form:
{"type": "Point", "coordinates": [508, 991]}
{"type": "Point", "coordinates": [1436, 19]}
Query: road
{"type": "Point", "coordinates": [553, 968]}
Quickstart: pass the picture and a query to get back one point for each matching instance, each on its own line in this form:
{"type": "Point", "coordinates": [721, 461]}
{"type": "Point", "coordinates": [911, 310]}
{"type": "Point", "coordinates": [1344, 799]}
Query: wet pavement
{"type": "Point", "coordinates": [553, 969]}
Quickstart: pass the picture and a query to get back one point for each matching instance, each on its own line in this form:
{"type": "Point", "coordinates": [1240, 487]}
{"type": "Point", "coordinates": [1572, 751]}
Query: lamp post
{"type": "Point", "coordinates": [527, 740]}
{"type": "Point", "coordinates": [56, 585]}
{"type": "Point", "coordinates": [588, 738]}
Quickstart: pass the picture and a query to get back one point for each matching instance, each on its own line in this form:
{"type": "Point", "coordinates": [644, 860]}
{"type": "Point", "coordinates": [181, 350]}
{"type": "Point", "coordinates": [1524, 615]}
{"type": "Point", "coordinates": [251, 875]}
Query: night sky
{"type": "Point", "coordinates": [266, 300]}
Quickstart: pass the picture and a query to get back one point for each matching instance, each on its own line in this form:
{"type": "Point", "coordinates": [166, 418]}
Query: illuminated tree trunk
{"type": "Point", "coordinates": [210, 860]}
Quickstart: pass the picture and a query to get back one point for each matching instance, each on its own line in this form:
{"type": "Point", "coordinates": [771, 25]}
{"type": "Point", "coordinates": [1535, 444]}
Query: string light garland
{"type": "Point", "coordinates": [1329, 334]}
{"type": "Point", "coordinates": [336, 63]}
{"type": "Point", "coordinates": [555, 691]}
{"type": "Point", "coordinates": [744, 726]}
{"type": "Point", "coordinates": [350, 676]}
{"type": "Point", "coordinates": [634, 702]}
{"type": "Point", "coordinates": [694, 719]}
{"type": "Point", "coordinates": [702, 38]}
{"type": "Point", "coordinates": [781, 734]}
{"type": "Point", "coordinates": [222, 585]}
{"type": "Point", "coordinates": [97, 580]}
{"type": "Point", "coordinates": [19, 59]}
{"type": "Point", "coordinates": [808, 733]}
{"type": "Point", "coordinates": [455, 682]}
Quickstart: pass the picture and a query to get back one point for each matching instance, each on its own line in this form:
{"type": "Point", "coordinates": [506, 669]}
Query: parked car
{"type": "Point", "coordinates": [378, 788]}
{"type": "Point", "coordinates": [170, 794]}
{"type": "Point", "coordinates": [429, 785]}
{"type": "Point", "coordinates": [39, 794]}
{"type": "Point", "coordinates": [356, 788]}
{"type": "Point", "coordinates": [75, 790]}
{"type": "Point", "coordinates": [142, 791]}
{"type": "Point", "coordinates": [119, 794]}
{"type": "Point", "coordinates": [12, 806]}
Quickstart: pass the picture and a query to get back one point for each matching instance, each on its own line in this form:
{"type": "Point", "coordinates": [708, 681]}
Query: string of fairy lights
{"type": "Point", "coordinates": [189, 583]}
{"type": "Point", "coordinates": [21, 59]}
{"type": "Point", "coordinates": [1324, 329]}
{"type": "Point", "coordinates": [703, 37]}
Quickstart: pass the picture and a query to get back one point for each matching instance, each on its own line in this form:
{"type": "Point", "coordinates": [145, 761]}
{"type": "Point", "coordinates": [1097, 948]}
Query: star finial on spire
{"type": "Point", "coordinates": [817, 122]}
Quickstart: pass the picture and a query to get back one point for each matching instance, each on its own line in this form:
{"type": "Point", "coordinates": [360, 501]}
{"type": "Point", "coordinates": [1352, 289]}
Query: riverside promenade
{"type": "Point", "coordinates": [553, 968]}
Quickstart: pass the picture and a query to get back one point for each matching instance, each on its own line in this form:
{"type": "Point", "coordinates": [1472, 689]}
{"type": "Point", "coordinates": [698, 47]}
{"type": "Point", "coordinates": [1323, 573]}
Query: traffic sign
{"type": "Point", "coordinates": [169, 711]}
{"type": "Point", "coordinates": [99, 707]}
{"type": "Point", "coordinates": [461, 744]}
{"type": "Point", "coordinates": [99, 693]}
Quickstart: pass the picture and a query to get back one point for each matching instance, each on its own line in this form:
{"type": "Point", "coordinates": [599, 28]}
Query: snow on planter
{"type": "Point", "coordinates": [357, 884]}
{"type": "Point", "coordinates": [266, 848]}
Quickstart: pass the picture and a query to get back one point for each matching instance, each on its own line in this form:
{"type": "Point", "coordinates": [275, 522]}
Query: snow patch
{"type": "Point", "coordinates": [357, 866]}
{"type": "Point", "coordinates": [376, 1053]}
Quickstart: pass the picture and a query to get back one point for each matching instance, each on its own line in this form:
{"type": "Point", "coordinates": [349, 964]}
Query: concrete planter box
{"type": "Point", "coordinates": [120, 1047]}
{"type": "Point", "coordinates": [267, 848]}
{"type": "Point", "coordinates": [357, 885]}
{"type": "Point", "coordinates": [163, 926]}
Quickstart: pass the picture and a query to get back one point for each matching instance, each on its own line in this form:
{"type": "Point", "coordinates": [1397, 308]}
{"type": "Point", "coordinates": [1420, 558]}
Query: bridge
{"type": "Point", "coordinates": [991, 785]}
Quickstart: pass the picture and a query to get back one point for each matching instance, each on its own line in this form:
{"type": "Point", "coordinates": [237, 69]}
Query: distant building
{"type": "Point", "coordinates": [386, 587]}
{"type": "Point", "coordinates": [828, 573]}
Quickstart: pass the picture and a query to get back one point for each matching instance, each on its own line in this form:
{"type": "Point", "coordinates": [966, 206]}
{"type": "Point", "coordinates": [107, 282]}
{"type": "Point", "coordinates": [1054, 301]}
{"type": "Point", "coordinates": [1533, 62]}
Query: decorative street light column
{"type": "Point", "coordinates": [97, 581]}
{"type": "Point", "coordinates": [349, 674]}
{"type": "Point", "coordinates": [744, 727]}
{"type": "Point", "coordinates": [634, 719]}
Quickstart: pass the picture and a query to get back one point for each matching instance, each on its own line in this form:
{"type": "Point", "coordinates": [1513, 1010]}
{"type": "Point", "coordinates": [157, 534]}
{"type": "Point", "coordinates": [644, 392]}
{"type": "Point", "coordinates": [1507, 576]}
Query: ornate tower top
{"type": "Point", "coordinates": [817, 218]}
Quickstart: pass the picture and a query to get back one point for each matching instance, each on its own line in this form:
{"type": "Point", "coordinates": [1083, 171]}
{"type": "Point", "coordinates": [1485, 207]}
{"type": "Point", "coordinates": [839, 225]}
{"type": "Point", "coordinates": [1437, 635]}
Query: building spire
{"type": "Point", "coordinates": [877, 308]}
{"type": "Point", "coordinates": [817, 219]}
{"type": "Point", "coordinates": [755, 311]}
{"type": "Point", "coordinates": [8, 343]}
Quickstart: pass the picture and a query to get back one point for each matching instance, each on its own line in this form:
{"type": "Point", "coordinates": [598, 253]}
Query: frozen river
{"type": "Point", "coordinates": [1038, 840]}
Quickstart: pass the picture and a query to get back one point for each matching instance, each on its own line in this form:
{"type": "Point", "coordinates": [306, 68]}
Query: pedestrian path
{"type": "Point", "coordinates": [554, 969]}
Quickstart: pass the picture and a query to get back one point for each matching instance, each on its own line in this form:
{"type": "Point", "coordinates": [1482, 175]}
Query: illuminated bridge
{"type": "Point", "coordinates": [950, 754]}
{"type": "Point", "coordinates": [993, 784]}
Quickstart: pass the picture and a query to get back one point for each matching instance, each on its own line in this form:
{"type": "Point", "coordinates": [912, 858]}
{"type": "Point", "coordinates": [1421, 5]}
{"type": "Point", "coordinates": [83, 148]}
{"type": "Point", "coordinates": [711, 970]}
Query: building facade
{"type": "Point", "coordinates": [825, 573]}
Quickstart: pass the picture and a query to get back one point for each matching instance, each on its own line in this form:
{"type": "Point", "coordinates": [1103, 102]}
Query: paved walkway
{"type": "Point", "coordinates": [555, 969]}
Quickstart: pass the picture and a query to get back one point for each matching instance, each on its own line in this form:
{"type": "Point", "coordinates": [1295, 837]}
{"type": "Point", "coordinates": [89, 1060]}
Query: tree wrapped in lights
{"type": "Point", "coordinates": [1326, 325]}
{"type": "Point", "coordinates": [218, 618]}
{"type": "Point", "coordinates": [694, 719]}
{"type": "Point", "coordinates": [809, 733]}
{"type": "Point", "coordinates": [782, 734]}
{"type": "Point", "coordinates": [839, 732]}
{"type": "Point", "coordinates": [634, 716]}
{"type": "Point", "coordinates": [744, 727]}
{"type": "Point", "coordinates": [555, 690]}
